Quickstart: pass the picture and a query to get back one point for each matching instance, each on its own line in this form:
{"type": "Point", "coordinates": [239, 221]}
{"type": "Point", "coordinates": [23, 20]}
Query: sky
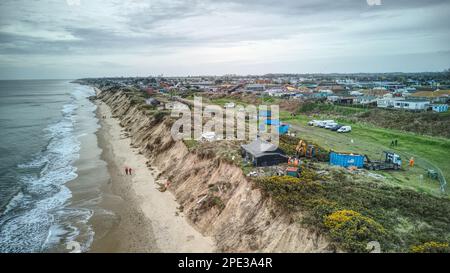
{"type": "Point", "coordinates": [70, 39]}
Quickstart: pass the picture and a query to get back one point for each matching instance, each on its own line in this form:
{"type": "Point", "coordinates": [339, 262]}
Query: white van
{"type": "Point", "coordinates": [345, 129]}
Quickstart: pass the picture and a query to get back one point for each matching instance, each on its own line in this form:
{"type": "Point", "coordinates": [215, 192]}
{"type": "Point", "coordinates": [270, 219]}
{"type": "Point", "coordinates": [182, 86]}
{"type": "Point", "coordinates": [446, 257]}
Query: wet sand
{"type": "Point", "coordinates": [147, 220]}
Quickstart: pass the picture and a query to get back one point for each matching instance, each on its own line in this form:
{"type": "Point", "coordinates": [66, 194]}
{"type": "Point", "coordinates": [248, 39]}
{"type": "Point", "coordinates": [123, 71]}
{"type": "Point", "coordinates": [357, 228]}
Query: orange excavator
{"type": "Point", "coordinates": [301, 148]}
{"type": "Point", "coordinates": [304, 149]}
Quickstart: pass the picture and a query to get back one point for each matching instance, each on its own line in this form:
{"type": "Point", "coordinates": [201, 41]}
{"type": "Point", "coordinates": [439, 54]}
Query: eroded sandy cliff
{"type": "Point", "coordinates": [215, 195]}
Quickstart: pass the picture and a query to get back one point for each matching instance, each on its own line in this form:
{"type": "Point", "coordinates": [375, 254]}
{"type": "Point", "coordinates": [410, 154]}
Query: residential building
{"type": "Point", "coordinates": [414, 105]}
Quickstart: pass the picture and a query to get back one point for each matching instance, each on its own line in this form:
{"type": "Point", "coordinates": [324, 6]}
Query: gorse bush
{"type": "Point", "coordinates": [291, 192]}
{"type": "Point", "coordinates": [431, 247]}
{"type": "Point", "coordinates": [353, 213]}
{"type": "Point", "coordinates": [352, 230]}
{"type": "Point", "coordinates": [338, 218]}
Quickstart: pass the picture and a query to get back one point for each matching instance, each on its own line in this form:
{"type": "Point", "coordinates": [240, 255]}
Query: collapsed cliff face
{"type": "Point", "coordinates": [215, 195]}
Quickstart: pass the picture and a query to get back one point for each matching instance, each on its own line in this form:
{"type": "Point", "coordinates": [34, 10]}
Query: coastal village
{"type": "Point", "coordinates": [410, 92]}
{"type": "Point", "coordinates": [338, 133]}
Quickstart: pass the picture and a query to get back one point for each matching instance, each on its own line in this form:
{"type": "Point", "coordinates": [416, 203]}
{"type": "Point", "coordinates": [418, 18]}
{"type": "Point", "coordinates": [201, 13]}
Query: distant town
{"type": "Point", "coordinates": [409, 91]}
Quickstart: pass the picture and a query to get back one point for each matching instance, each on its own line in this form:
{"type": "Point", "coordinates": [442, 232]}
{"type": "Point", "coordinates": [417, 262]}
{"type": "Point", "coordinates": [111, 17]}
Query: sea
{"type": "Point", "coordinates": [51, 171]}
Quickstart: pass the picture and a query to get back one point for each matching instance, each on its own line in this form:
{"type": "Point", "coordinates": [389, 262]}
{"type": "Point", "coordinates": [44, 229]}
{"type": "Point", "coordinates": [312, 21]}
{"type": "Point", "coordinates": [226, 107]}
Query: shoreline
{"type": "Point", "coordinates": [148, 220]}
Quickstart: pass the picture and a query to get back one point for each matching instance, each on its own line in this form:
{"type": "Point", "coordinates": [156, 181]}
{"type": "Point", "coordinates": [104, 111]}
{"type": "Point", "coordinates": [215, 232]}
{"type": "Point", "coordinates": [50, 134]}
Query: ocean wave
{"type": "Point", "coordinates": [37, 218]}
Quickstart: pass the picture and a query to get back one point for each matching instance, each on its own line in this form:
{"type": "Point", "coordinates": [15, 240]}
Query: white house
{"type": "Point", "coordinates": [255, 87]}
{"type": "Point", "coordinates": [401, 103]}
{"type": "Point", "coordinates": [356, 93]}
{"type": "Point", "coordinates": [332, 98]}
{"type": "Point", "coordinates": [387, 102]}
{"type": "Point", "coordinates": [328, 91]}
{"type": "Point", "coordinates": [365, 99]}
{"type": "Point", "coordinates": [275, 92]}
{"type": "Point", "coordinates": [416, 105]}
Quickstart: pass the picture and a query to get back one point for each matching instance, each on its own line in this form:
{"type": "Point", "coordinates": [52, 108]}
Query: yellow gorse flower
{"type": "Point", "coordinates": [340, 217]}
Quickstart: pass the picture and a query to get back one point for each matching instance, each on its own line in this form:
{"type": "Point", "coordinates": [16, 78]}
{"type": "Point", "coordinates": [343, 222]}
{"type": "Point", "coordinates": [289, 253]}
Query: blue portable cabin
{"type": "Point", "coordinates": [346, 160]}
{"type": "Point", "coordinates": [283, 129]}
{"type": "Point", "coordinates": [440, 108]}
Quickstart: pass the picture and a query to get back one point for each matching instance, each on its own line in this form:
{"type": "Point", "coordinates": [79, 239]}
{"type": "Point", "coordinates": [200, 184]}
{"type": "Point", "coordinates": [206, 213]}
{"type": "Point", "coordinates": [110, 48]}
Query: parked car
{"type": "Point", "coordinates": [312, 122]}
{"type": "Point", "coordinates": [337, 127]}
{"type": "Point", "coordinates": [324, 123]}
{"type": "Point", "coordinates": [330, 125]}
{"type": "Point", "coordinates": [317, 123]}
{"type": "Point", "coordinates": [344, 129]}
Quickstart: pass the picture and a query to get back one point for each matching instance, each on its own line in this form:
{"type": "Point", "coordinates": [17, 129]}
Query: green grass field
{"type": "Point", "coordinates": [428, 152]}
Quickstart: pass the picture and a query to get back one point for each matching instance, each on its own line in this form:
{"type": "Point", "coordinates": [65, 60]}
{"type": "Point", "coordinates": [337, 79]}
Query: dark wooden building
{"type": "Point", "coordinates": [263, 153]}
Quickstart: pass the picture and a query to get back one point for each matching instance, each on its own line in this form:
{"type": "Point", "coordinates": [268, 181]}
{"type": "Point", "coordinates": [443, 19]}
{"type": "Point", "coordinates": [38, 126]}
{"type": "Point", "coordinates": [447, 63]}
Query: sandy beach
{"type": "Point", "coordinates": [149, 220]}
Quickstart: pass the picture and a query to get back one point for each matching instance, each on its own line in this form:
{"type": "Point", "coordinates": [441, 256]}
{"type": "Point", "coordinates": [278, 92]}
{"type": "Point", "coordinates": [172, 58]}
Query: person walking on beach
{"type": "Point", "coordinates": [126, 170]}
{"type": "Point", "coordinates": [129, 171]}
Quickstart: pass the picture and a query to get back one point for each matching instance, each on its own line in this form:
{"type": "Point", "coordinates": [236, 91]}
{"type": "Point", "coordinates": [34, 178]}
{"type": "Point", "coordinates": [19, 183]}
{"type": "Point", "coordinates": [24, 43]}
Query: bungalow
{"type": "Point", "coordinates": [365, 100]}
{"type": "Point", "coordinates": [356, 93]}
{"type": "Point", "coordinates": [319, 95]}
{"type": "Point", "coordinates": [388, 102]}
{"type": "Point", "coordinates": [255, 87]}
{"type": "Point", "coordinates": [262, 153]}
{"type": "Point", "coordinates": [275, 92]}
{"type": "Point", "coordinates": [415, 105]}
{"type": "Point", "coordinates": [345, 100]}
{"type": "Point", "coordinates": [332, 98]}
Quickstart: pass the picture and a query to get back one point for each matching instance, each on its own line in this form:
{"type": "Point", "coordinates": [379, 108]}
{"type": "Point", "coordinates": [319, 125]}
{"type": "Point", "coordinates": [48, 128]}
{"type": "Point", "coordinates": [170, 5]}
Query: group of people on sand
{"type": "Point", "coordinates": [128, 170]}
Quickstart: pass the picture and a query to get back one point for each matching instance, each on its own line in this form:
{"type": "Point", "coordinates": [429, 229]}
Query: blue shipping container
{"type": "Point", "coordinates": [346, 160]}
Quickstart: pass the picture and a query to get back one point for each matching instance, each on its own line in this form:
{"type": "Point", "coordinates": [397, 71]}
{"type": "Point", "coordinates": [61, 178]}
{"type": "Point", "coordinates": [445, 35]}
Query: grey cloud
{"type": "Point", "coordinates": [118, 27]}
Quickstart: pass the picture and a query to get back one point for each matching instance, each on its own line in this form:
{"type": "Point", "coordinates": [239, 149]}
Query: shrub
{"type": "Point", "coordinates": [159, 116]}
{"type": "Point", "coordinates": [352, 230]}
{"type": "Point", "coordinates": [290, 192]}
{"type": "Point", "coordinates": [431, 247]}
